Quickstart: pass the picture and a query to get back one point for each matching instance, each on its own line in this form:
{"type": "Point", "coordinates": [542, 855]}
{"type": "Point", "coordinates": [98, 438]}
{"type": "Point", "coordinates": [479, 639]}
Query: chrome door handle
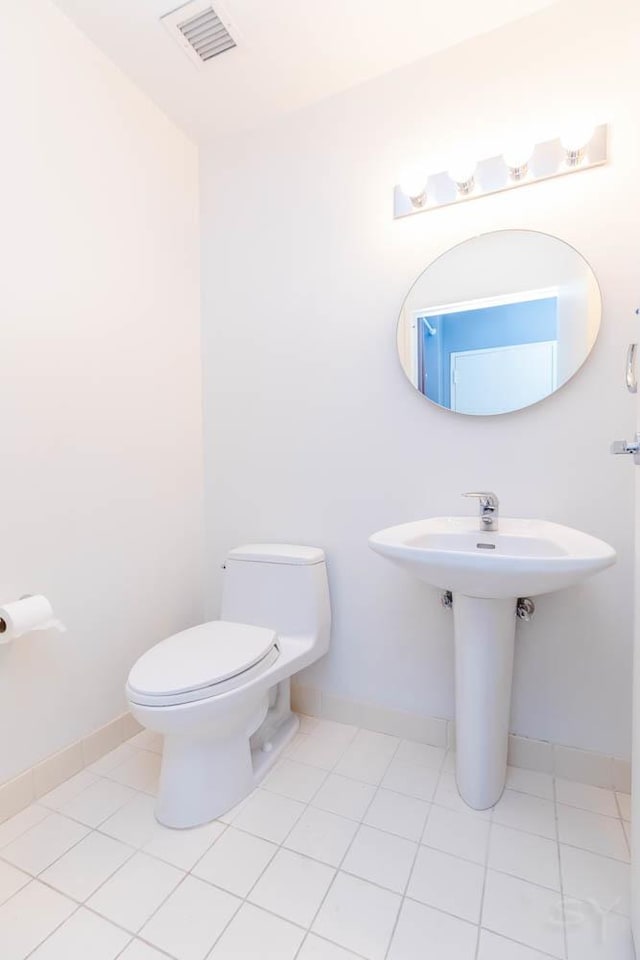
{"type": "Point", "coordinates": [630, 378]}
{"type": "Point", "coordinates": [631, 448]}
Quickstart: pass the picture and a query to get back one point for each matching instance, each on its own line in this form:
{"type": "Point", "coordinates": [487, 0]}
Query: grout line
{"type": "Point", "coordinates": [79, 903]}
{"type": "Point", "coordinates": [180, 883]}
{"type": "Point", "coordinates": [415, 856]}
{"type": "Point", "coordinates": [135, 939]}
{"type": "Point", "coordinates": [63, 813]}
{"type": "Point", "coordinates": [135, 849]}
{"type": "Point", "coordinates": [562, 897]}
{"type": "Point", "coordinates": [307, 805]}
{"type": "Point", "coordinates": [84, 903]}
{"type": "Point", "coordinates": [484, 884]}
{"type": "Point", "coordinates": [622, 822]}
{"type": "Point", "coordinates": [521, 943]}
{"type": "Point", "coordinates": [139, 793]}
{"type": "Point", "coordinates": [139, 790]}
{"type": "Point", "coordinates": [627, 835]}
{"type": "Point", "coordinates": [52, 932]}
{"type": "Point", "coordinates": [84, 768]}
{"type": "Point", "coordinates": [38, 875]}
{"type": "Point", "coordinates": [26, 830]}
{"type": "Point", "coordinates": [186, 873]}
{"type": "Point", "coordinates": [380, 886]}
{"type": "Point", "coordinates": [595, 813]}
{"type": "Point", "coordinates": [333, 943]}
{"type": "Point", "coordinates": [141, 849]}
{"type": "Point", "coordinates": [280, 846]}
{"type": "Point", "coordinates": [267, 789]}
{"type": "Point", "coordinates": [344, 856]}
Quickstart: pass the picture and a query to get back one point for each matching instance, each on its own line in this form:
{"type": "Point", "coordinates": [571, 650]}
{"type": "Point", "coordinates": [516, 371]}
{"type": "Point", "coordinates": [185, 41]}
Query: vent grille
{"type": "Point", "coordinates": [207, 34]}
{"type": "Point", "coordinates": [201, 31]}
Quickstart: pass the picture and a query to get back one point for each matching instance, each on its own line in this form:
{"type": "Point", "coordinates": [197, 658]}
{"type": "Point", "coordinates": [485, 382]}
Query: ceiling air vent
{"type": "Point", "coordinates": [201, 32]}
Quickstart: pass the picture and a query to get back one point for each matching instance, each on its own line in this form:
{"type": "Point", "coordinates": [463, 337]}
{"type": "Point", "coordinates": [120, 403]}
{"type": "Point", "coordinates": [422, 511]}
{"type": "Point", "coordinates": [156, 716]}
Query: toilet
{"type": "Point", "coordinates": [219, 693]}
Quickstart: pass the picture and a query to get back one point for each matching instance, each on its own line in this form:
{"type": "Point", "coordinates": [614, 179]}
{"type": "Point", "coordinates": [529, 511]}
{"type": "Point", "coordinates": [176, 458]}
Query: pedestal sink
{"type": "Point", "coordinates": [487, 571]}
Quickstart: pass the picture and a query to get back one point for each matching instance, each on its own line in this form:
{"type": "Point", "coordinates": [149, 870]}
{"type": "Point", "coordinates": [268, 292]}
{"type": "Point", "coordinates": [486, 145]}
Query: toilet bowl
{"type": "Point", "coordinates": [219, 692]}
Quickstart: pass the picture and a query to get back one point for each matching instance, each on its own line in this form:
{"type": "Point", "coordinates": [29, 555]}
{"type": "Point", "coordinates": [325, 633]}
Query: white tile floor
{"type": "Point", "coordinates": [357, 845]}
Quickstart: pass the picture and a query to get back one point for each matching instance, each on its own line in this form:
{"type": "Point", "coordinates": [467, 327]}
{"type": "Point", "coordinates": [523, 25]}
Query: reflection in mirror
{"type": "Point", "coordinates": [499, 322]}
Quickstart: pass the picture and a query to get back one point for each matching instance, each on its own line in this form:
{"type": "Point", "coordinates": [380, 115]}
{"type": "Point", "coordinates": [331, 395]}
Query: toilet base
{"type": "Point", "coordinates": [201, 779]}
{"type": "Point", "coordinates": [264, 759]}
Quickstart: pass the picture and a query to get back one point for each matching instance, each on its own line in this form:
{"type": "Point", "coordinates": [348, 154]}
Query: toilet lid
{"type": "Point", "coordinates": [200, 657]}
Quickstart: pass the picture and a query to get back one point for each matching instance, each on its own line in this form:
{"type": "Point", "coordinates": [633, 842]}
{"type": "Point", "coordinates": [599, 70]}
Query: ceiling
{"type": "Point", "coordinates": [290, 52]}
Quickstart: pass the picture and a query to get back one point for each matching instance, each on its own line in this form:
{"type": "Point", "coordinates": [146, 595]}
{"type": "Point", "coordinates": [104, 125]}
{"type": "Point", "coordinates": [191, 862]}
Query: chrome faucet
{"type": "Point", "coordinates": [489, 505]}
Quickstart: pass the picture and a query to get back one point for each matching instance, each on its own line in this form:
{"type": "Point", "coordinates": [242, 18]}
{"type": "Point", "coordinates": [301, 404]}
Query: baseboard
{"type": "Point", "coordinates": [18, 793]}
{"type": "Point", "coordinates": [570, 763]}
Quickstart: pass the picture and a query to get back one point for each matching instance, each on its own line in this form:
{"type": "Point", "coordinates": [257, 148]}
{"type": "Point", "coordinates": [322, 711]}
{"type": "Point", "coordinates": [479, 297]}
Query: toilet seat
{"type": "Point", "coordinates": [201, 662]}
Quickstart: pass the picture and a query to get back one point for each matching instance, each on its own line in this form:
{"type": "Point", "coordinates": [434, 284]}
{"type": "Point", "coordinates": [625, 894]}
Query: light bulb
{"type": "Point", "coordinates": [517, 157]}
{"type": "Point", "coordinates": [413, 184]}
{"type": "Point", "coordinates": [461, 171]}
{"type": "Point", "coordinates": [575, 141]}
{"type": "Point", "coordinates": [577, 137]}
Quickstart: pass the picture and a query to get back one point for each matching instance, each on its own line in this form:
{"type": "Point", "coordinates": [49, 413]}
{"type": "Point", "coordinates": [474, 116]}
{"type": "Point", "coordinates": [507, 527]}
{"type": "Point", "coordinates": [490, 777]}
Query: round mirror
{"type": "Point", "coordinates": [499, 322]}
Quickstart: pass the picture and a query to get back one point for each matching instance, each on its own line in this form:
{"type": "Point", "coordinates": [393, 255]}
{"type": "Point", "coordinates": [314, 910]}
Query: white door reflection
{"type": "Point", "coordinates": [528, 321]}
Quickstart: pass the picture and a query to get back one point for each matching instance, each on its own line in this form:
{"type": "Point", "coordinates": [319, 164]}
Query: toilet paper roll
{"type": "Point", "coordinates": [23, 616]}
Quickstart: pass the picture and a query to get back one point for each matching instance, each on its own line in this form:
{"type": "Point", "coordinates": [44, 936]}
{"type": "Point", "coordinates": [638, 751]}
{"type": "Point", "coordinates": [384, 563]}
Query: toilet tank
{"type": "Point", "coordinates": [280, 586]}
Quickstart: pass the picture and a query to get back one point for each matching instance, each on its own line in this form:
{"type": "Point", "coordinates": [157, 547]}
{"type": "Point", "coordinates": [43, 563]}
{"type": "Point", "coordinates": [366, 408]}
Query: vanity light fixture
{"type": "Point", "coordinates": [579, 148]}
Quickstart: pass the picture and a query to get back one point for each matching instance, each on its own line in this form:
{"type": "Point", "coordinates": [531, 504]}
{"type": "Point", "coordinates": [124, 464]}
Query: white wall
{"type": "Point", "coordinates": [100, 444]}
{"type": "Point", "coordinates": [312, 432]}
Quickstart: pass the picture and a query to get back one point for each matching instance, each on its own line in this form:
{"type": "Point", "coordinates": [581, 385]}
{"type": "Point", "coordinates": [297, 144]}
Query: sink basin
{"type": "Point", "coordinates": [521, 558]}
{"type": "Point", "coordinates": [486, 572]}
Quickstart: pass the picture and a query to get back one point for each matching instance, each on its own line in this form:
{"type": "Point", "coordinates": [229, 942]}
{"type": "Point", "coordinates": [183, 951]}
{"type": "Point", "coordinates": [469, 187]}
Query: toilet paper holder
{"type": "Point", "coordinates": [28, 613]}
{"type": "Point", "coordinates": [3, 623]}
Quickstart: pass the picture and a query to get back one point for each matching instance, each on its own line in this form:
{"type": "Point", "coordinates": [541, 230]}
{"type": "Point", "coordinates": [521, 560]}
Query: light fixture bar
{"type": "Point", "coordinates": [497, 174]}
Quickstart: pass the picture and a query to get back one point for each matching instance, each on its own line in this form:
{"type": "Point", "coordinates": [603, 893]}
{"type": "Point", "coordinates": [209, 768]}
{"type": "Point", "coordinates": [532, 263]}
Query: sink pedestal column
{"type": "Point", "coordinates": [484, 640]}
